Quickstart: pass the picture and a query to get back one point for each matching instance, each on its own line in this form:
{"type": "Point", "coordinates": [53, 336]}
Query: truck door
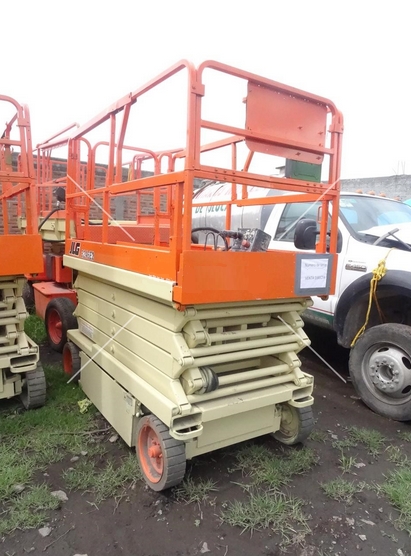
{"type": "Point", "coordinates": [281, 226]}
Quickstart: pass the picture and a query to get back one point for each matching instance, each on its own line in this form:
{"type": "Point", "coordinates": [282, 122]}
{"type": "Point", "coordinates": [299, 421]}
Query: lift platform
{"type": "Point", "coordinates": [187, 340]}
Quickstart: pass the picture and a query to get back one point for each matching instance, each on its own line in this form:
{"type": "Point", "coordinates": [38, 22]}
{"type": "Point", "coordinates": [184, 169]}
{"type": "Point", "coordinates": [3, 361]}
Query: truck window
{"type": "Point", "coordinates": [291, 215]}
{"type": "Point", "coordinates": [362, 212]}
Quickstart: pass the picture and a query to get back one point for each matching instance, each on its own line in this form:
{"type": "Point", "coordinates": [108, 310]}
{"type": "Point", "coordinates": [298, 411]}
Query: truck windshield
{"type": "Point", "coordinates": [365, 212]}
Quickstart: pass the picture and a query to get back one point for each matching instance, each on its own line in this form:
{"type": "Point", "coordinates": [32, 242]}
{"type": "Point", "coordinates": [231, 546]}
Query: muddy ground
{"type": "Point", "coordinates": [145, 523]}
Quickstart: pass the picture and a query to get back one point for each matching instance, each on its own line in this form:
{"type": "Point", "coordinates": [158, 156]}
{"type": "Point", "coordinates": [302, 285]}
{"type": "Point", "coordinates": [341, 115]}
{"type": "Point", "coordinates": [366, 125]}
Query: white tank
{"type": "Point", "coordinates": [241, 217]}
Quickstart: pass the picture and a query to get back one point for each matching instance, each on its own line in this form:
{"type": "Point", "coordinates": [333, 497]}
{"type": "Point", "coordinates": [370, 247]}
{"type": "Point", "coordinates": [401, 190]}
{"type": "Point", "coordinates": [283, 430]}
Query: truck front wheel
{"type": "Point", "coordinates": [380, 369]}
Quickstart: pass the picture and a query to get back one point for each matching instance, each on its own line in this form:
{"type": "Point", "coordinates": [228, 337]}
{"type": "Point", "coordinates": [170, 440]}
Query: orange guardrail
{"type": "Point", "coordinates": [21, 254]}
{"type": "Point", "coordinates": [107, 222]}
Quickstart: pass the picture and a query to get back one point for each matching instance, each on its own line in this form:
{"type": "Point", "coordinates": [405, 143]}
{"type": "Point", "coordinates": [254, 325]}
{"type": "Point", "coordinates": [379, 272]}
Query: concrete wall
{"type": "Point", "coordinates": [393, 186]}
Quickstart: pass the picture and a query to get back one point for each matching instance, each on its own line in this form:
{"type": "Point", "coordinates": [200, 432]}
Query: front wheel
{"type": "Point", "coordinates": [162, 458]}
{"type": "Point", "coordinates": [380, 369]}
{"type": "Point", "coordinates": [296, 424]}
{"type": "Point", "coordinates": [33, 393]}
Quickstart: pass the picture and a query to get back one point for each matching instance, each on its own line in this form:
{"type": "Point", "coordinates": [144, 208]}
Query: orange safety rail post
{"type": "Point", "coordinates": [21, 253]}
{"type": "Point", "coordinates": [279, 122]}
{"type": "Point", "coordinates": [51, 169]}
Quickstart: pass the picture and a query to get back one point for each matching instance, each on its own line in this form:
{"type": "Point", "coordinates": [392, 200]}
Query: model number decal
{"type": "Point", "coordinates": [75, 249]}
{"type": "Point", "coordinates": [89, 255]}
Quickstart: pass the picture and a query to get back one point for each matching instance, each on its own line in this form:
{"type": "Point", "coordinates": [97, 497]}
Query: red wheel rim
{"type": "Point", "coordinates": [151, 453]}
{"type": "Point", "coordinates": [54, 326]}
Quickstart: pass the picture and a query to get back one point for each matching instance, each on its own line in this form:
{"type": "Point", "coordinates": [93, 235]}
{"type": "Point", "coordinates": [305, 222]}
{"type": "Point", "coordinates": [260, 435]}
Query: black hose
{"type": "Point", "coordinates": [213, 230]}
{"type": "Point", "coordinates": [47, 217]}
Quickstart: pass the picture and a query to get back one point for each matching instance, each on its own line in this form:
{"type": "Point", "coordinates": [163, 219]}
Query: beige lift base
{"type": "Point", "coordinates": [215, 375]}
{"type": "Point", "coordinates": [20, 372]}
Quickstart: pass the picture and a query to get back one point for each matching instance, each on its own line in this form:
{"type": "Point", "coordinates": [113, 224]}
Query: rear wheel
{"type": "Point", "coordinates": [33, 394]}
{"type": "Point", "coordinates": [59, 319]}
{"type": "Point", "coordinates": [380, 369]}
{"type": "Point", "coordinates": [162, 458]}
{"type": "Point", "coordinates": [28, 296]}
{"type": "Point", "coordinates": [71, 361]}
{"type": "Point", "coordinates": [296, 424]}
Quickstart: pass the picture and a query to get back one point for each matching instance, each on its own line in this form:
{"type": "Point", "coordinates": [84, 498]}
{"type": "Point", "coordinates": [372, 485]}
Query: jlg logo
{"type": "Point", "coordinates": [75, 248]}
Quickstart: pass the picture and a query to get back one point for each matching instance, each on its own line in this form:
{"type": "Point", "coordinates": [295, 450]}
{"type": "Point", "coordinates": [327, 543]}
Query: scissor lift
{"type": "Point", "coordinates": [187, 342]}
{"type": "Point", "coordinates": [21, 373]}
{"type": "Point", "coordinates": [50, 292]}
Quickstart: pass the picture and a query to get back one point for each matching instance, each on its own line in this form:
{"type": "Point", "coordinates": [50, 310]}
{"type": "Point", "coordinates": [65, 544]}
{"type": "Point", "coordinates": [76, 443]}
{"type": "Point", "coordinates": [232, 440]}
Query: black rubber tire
{"type": "Point", "coordinates": [28, 296]}
{"type": "Point", "coordinates": [296, 424]}
{"type": "Point", "coordinates": [173, 454]}
{"type": "Point", "coordinates": [59, 309]}
{"type": "Point", "coordinates": [390, 343]}
{"type": "Point", "coordinates": [33, 394]}
{"type": "Point", "coordinates": [71, 361]}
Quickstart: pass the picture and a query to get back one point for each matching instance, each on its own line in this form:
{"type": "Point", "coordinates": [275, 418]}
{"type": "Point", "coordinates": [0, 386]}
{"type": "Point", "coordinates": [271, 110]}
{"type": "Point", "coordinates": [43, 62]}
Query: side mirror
{"type": "Point", "coordinates": [305, 235]}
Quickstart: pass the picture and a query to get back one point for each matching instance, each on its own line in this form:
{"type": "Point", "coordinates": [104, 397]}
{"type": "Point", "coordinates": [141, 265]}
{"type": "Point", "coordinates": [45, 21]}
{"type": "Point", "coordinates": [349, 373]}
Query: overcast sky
{"type": "Point", "coordinates": [68, 60]}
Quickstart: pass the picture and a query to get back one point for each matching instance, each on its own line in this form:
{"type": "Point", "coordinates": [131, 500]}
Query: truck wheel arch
{"type": "Point", "coordinates": [352, 305]}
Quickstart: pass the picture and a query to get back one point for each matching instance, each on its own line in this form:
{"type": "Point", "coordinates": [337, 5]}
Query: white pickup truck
{"type": "Point", "coordinates": [371, 229]}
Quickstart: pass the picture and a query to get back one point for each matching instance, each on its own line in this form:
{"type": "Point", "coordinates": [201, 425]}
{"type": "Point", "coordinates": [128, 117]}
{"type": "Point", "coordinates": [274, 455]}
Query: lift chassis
{"type": "Point", "coordinates": [187, 338]}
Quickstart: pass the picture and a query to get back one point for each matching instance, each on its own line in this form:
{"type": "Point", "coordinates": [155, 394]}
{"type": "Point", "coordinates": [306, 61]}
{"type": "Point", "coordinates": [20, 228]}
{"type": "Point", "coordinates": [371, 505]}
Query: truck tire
{"type": "Point", "coordinates": [58, 320]}
{"type": "Point", "coordinates": [380, 369]}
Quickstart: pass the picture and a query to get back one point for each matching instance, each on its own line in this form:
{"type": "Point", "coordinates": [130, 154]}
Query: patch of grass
{"type": "Point", "coordinates": [35, 328]}
{"type": "Point", "coordinates": [397, 456]}
{"type": "Point", "coordinates": [264, 467]}
{"type": "Point", "coordinates": [346, 462]}
{"type": "Point", "coordinates": [16, 469]}
{"type": "Point", "coordinates": [28, 510]}
{"type": "Point", "coordinates": [344, 444]}
{"type": "Point", "coordinates": [103, 483]}
{"type": "Point", "coordinates": [32, 440]}
{"type": "Point", "coordinates": [194, 490]}
{"type": "Point", "coordinates": [397, 488]}
{"type": "Point", "coordinates": [341, 490]}
{"type": "Point", "coordinates": [405, 435]}
{"type": "Point", "coordinates": [264, 510]}
{"type": "Point", "coordinates": [371, 439]}
{"type": "Point", "coordinates": [318, 436]}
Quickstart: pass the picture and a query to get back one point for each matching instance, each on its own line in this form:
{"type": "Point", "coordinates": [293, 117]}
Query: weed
{"type": "Point", "coordinates": [405, 435]}
{"type": "Point", "coordinates": [398, 489]}
{"type": "Point", "coordinates": [34, 328]}
{"type": "Point", "coordinates": [395, 455]}
{"type": "Point", "coordinates": [265, 468]}
{"type": "Point", "coordinates": [194, 491]}
{"type": "Point", "coordinates": [318, 436]}
{"type": "Point", "coordinates": [371, 439]}
{"type": "Point", "coordinates": [16, 469]}
{"type": "Point", "coordinates": [30, 509]}
{"type": "Point", "coordinates": [103, 483]}
{"type": "Point", "coordinates": [263, 510]}
{"type": "Point", "coordinates": [344, 444]}
{"type": "Point", "coordinates": [346, 462]}
{"type": "Point", "coordinates": [341, 490]}
{"type": "Point", "coordinates": [30, 441]}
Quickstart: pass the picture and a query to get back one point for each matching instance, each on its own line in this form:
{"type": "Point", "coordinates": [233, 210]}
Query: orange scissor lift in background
{"type": "Point", "coordinates": [187, 339]}
{"type": "Point", "coordinates": [50, 292]}
{"type": "Point", "coordinates": [20, 370]}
